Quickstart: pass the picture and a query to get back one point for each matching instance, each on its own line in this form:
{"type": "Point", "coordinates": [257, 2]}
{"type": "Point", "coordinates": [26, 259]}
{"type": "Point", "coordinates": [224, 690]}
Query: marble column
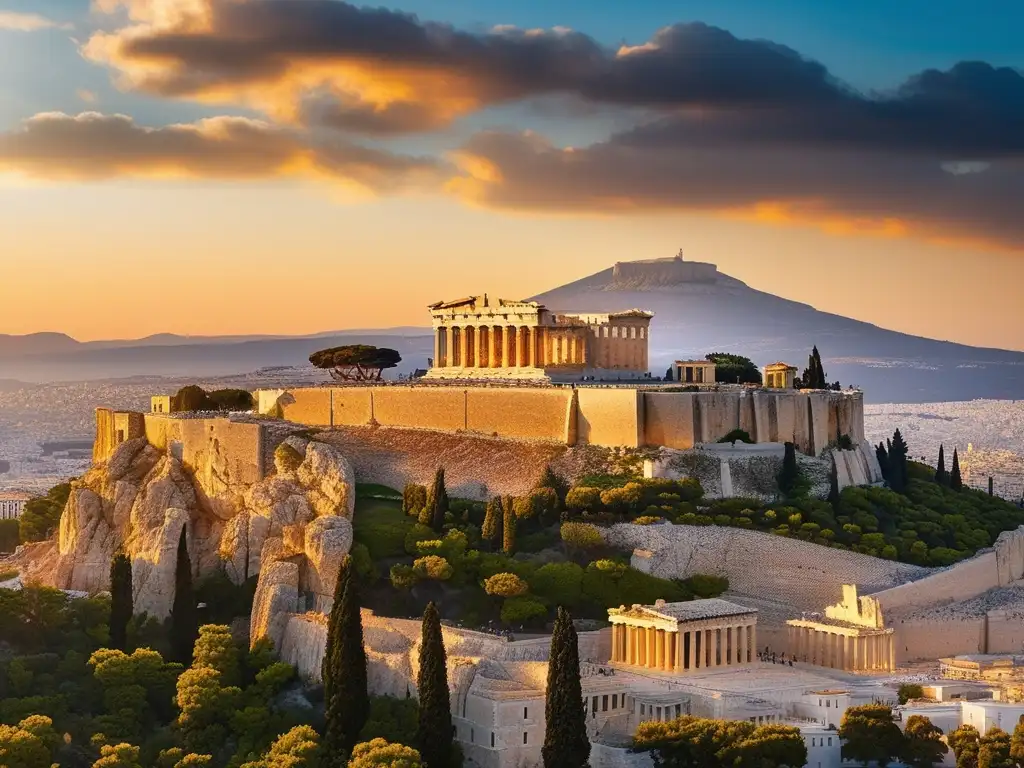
{"type": "Point", "coordinates": [713, 649]}
{"type": "Point", "coordinates": [743, 644]}
{"type": "Point", "coordinates": [437, 347]}
{"type": "Point", "coordinates": [659, 648]}
{"type": "Point", "coordinates": [652, 648]}
{"type": "Point", "coordinates": [679, 651]}
{"type": "Point", "coordinates": [493, 347]}
{"type": "Point", "coordinates": [481, 346]}
{"type": "Point", "coordinates": [892, 652]}
{"type": "Point", "coordinates": [692, 656]}
{"type": "Point", "coordinates": [464, 346]}
{"type": "Point", "coordinates": [507, 352]}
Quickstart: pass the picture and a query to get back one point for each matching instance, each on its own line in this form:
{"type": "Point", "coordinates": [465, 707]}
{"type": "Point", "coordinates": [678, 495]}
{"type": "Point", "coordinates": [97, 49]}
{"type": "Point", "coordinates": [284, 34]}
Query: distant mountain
{"type": "Point", "coordinates": [697, 310]}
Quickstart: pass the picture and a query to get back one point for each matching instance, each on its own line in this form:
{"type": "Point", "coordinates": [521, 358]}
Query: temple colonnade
{"type": "Point", "coordinates": [847, 648]}
{"type": "Point", "coordinates": [509, 346]}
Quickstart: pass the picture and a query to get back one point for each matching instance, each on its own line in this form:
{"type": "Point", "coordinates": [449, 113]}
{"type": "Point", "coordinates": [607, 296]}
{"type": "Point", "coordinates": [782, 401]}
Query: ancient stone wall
{"type": "Point", "coordinates": [612, 417]}
{"type": "Point", "coordinates": [797, 573]}
{"type": "Point", "coordinates": [605, 416]}
{"type": "Point", "coordinates": [953, 635]}
{"type": "Point", "coordinates": [114, 428]}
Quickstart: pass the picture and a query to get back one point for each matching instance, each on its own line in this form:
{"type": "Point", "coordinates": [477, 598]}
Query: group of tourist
{"type": "Point", "coordinates": [768, 656]}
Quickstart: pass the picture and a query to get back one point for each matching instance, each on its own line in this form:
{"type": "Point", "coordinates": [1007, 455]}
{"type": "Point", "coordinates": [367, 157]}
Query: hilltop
{"type": "Point", "coordinates": [698, 309]}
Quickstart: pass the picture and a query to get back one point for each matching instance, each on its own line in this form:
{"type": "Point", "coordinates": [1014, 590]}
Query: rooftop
{"type": "Point", "coordinates": [690, 610]}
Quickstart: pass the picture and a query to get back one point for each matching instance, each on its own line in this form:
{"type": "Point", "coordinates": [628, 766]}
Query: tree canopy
{"type": "Point", "coordinates": [734, 369]}
{"type": "Point", "coordinates": [356, 362]}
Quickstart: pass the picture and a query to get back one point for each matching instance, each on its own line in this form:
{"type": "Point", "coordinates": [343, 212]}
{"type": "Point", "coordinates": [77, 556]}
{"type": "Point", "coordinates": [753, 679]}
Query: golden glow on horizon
{"type": "Point", "coordinates": [122, 260]}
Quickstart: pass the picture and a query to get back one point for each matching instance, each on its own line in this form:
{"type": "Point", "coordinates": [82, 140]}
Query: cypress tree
{"type": "Point", "coordinates": [121, 608]}
{"type": "Point", "coordinates": [438, 501]}
{"type": "Point", "coordinates": [941, 476]}
{"type": "Point", "coordinates": [790, 471]}
{"type": "Point", "coordinates": [898, 463]}
{"type": "Point", "coordinates": [493, 523]}
{"type": "Point", "coordinates": [184, 618]}
{"type": "Point", "coordinates": [434, 730]}
{"type": "Point", "coordinates": [565, 736]}
{"type": "Point", "coordinates": [508, 534]}
{"type": "Point", "coordinates": [833, 487]}
{"type": "Point", "coordinates": [883, 460]}
{"type": "Point", "coordinates": [819, 371]}
{"type": "Point", "coordinates": [345, 682]}
{"type": "Point", "coordinates": [955, 480]}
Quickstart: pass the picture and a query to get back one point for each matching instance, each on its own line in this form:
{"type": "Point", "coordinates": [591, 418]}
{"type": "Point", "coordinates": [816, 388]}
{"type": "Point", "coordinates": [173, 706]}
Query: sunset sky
{"type": "Point", "coordinates": [295, 166]}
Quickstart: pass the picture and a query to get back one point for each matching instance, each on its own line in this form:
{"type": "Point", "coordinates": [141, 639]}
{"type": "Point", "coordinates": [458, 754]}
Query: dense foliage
{"type": "Point", "coordinates": [871, 736]}
{"type": "Point", "coordinates": [41, 515]}
{"type": "Point", "coordinates": [194, 398]}
{"type": "Point", "coordinates": [356, 362]}
{"type": "Point", "coordinates": [565, 736]}
{"type": "Point", "coordinates": [734, 369]}
{"type": "Point", "coordinates": [696, 742]}
{"type": "Point", "coordinates": [434, 733]}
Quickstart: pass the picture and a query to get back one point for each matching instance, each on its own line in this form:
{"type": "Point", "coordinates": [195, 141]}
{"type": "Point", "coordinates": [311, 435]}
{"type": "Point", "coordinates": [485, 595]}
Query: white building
{"type": "Point", "coordinates": [12, 504]}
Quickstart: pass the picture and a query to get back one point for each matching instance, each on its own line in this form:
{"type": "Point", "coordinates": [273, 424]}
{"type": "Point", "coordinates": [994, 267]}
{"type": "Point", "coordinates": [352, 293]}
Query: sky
{"type": "Point", "coordinates": [294, 166]}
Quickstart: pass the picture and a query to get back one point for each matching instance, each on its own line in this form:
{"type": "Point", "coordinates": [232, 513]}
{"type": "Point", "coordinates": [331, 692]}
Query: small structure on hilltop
{"type": "Point", "coordinates": [780, 376]}
{"type": "Point", "coordinates": [694, 371]}
{"type": "Point", "coordinates": [501, 339]}
{"type": "Point", "coordinates": [852, 636]}
{"type": "Point", "coordinates": [683, 637]}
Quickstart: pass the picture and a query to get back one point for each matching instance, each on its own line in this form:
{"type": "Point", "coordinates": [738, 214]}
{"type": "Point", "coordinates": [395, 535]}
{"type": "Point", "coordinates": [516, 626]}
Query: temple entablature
{"type": "Point", "coordinates": [861, 611]}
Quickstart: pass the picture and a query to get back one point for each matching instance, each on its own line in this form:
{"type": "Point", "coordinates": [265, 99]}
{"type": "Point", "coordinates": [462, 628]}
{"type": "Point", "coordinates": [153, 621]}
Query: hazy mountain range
{"type": "Point", "coordinates": [697, 310]}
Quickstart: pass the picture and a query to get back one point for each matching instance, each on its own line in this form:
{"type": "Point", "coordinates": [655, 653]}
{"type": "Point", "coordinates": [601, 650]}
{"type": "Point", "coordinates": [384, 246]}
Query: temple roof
{"type": "Point", "coordinates": [690, 610]}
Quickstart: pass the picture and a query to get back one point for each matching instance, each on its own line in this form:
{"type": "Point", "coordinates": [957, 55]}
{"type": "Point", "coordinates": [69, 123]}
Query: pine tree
{"type": "Point", "coordinates": [956, 482]}
{"type": "Point", "coordinates": [121, 608]}
{"type": "Point", "coordinates": [437, 502]}
{"type": "Point", "coordinates": [669, 374]}
{"type": "Point", "coordinates": [565, 736]}
{"type": "Point", "coordinates": [833, 487]}
{"type": "Point", "coordinates": [493, 523]}
{"type": "Point", "coordinates": [790, 473]}
{"type": "Point", "coordinates": [434, 731]}
{"type": "Point", "coordinates": [941, 476]}
{"type": "Point", "coordinates": [184, 618]}
{"type": "Point", "coordinates": [508, 534]}
{"type": "Point", "coordinates": [345, 681]}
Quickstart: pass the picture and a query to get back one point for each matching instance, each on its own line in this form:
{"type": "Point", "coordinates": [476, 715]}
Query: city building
{"type": "Point", "coordinates": [12, 504]}
{"type": "Point", "coordinates": [480, 338]}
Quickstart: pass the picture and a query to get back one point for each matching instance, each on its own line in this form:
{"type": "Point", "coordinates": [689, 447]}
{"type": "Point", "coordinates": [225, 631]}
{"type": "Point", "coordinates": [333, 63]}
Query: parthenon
{"type": "Point", "coordinates": [684, 637]}
{"type": "Point", "coordinates": [480, 338]}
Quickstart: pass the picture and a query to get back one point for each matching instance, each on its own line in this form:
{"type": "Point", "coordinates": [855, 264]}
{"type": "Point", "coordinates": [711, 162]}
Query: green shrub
{"type": "Point", "coordinates": [610, 584]}
{"type": "Point", "coordinates": [908, 691]}
{"type": "Point", "coordinates": [403, 576]}
{"type": "Point", "coordinates": [366, 568]}
{"type": "Point", "coordinates": [581, 536]}
{"type": "Point", "coordinates": [230, 400]}
{"type": "Point", "coordinates": [505, 585]}
{"type": "Point", "coordinates": [382, 527]}
{"type": "Point", "coordinates": [624, 500]}
{"type": "Point", "coordinates": [648, 519]}
{"type": "Point", "coordinates": [559, 584]}
{"type": "Point", "coordinates": [428, 547]}
{"type": "Point", "coordinates": [583, 499]}
{"type": "Point", "coordinates": [737, 435]}
{"type": "Point", "coordinates": [414, 499]}
{"type": "Point", "coordinates": [433, 567]}
{"type": "Point", "coordinates": [417, 533]}
{"type": "Point", "coordinates": [702, 585]}
{"type": "Point", "coordinates": [522, 610]}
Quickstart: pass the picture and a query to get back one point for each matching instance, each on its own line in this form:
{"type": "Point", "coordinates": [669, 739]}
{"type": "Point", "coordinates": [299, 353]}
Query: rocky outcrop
{"type": "Point", "coordinates": [140, 499]}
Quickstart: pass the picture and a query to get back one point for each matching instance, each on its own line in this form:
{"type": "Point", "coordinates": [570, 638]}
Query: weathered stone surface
{"type": "Point", "coordinates": [328, 540]}
{"type": "Point", "coordinates": [141, 498]}
{"type": "Point", "coordinates": [331, 481]}
{"type": "Point", "coordinates": [276, 600]}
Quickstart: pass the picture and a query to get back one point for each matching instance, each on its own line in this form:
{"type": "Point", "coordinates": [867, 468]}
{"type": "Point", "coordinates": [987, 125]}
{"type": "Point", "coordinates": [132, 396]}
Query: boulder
{"type": "Point", "coordinates": [330, 479]}
{"type": "Point", "coordinates": [328, 540]}
{"type": "Point", "coordinates": [277, 597]}
{"type": "Point", "coordinates": [154, 564]}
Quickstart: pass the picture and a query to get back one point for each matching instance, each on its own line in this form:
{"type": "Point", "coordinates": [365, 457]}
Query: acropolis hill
{"type": "Point", "coordinates": [516, 389]}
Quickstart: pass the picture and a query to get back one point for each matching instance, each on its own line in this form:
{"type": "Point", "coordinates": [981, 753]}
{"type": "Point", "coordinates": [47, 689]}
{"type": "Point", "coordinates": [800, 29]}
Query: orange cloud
{"type": "Point", "coordinates": [93, 146]}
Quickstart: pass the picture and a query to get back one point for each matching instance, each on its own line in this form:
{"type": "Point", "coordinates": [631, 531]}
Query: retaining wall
{"type": "Point", "coordinates": [605, 416]}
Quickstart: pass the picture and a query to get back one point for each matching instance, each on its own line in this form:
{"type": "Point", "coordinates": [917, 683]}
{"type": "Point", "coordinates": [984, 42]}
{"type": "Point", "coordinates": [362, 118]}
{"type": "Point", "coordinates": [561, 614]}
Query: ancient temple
{"type": "Point", "coordinates": [852, 636]}
{"type": "Point", "coordinates": [481, 338]}
{"type": "Point", "coordinates": [684, 637]}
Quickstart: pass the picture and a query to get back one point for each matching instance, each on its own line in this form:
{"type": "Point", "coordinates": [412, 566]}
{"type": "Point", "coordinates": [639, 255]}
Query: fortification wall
{"type": "Point", "coordinates": [797, 573]}
{"type": "Point", "coordinates": [114, 428]}
{"type": "Point", "coordinates": [921, 639]}
{"type": "Point", "coordinates": [612, 416]}
{"type": "Point", "coordinates": [1005, 631]}
{"type": "Point", "coordinates": [998, 566]}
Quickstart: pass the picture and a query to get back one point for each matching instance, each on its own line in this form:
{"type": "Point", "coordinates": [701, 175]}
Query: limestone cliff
{"type": "Point", "coordinates": [140, 498]}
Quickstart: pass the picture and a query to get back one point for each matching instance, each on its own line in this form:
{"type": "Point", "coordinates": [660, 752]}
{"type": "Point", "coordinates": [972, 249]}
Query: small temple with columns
{"type": "Point", "coordinates": [500, 339]}
{"type": "Point", "coordinates": [679, 638]}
